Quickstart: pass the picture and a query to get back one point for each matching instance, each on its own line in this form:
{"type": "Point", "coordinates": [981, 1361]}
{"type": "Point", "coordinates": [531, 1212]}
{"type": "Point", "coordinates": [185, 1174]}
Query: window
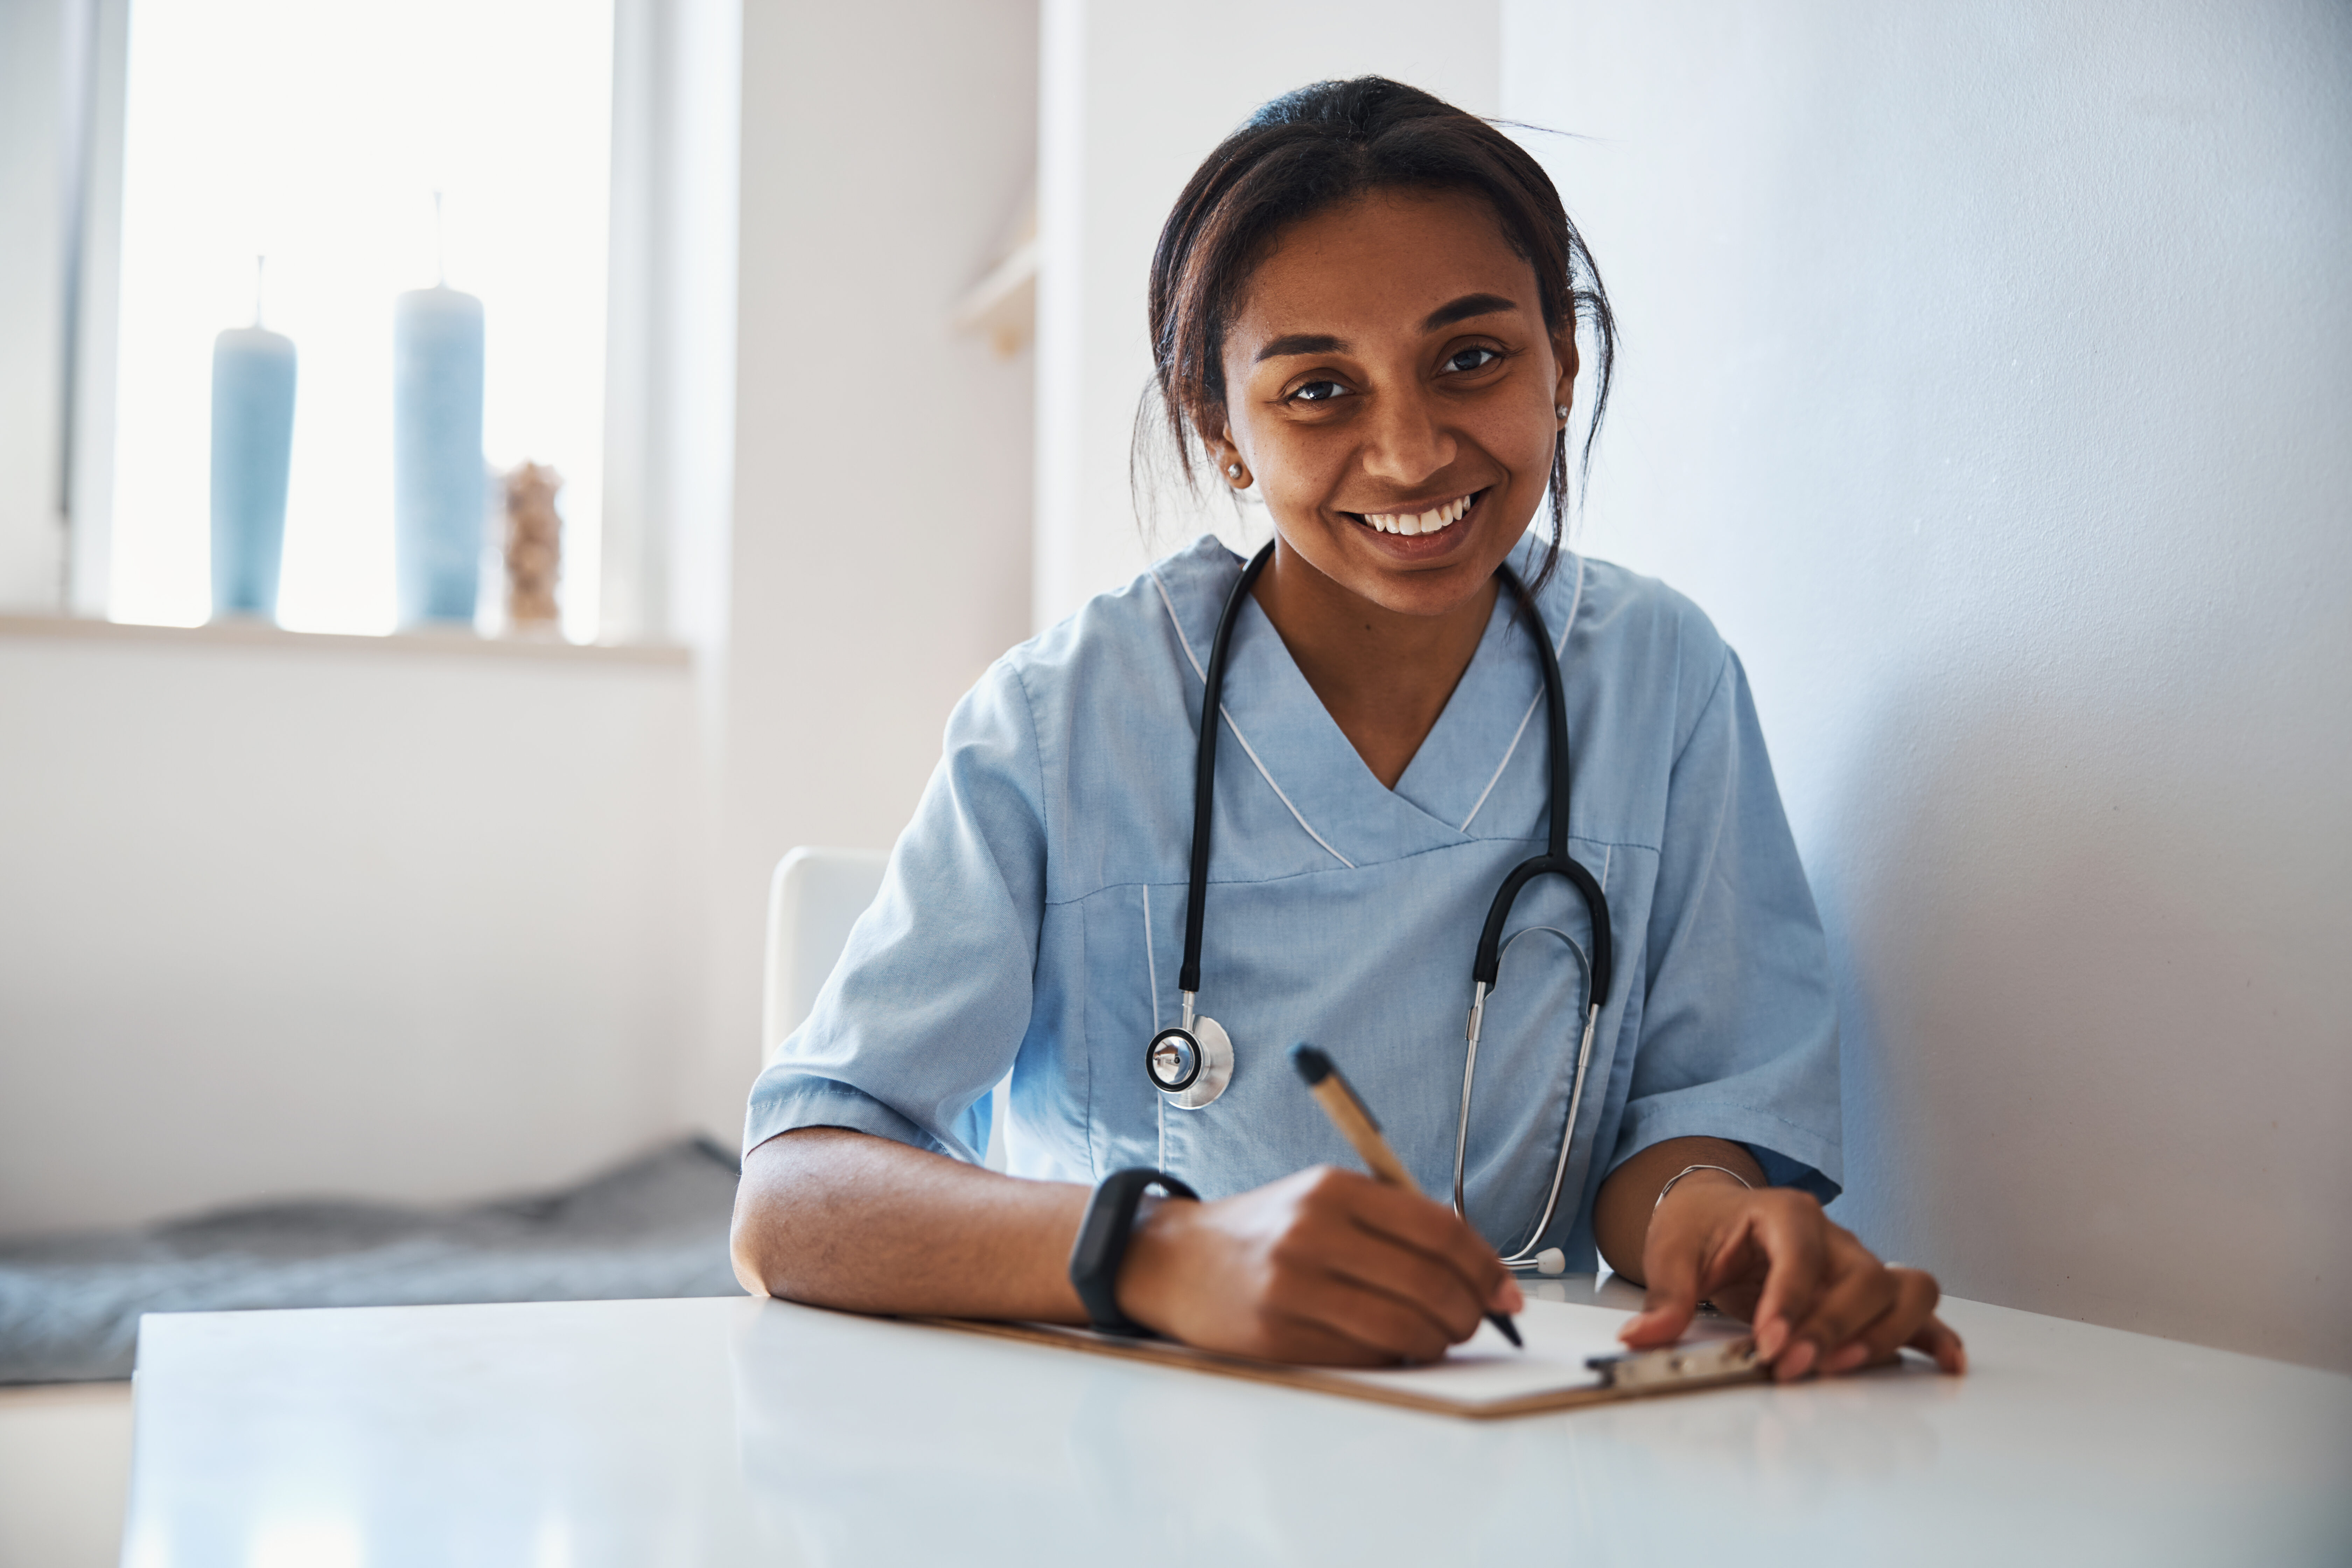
{"type": "Point", "coordinates": [317, 136]}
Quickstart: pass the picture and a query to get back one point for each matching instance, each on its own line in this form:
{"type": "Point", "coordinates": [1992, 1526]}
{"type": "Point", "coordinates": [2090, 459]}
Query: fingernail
{"type": "Point", "coordinates": [1514, 1298]}
{"type": "Point", "coordinates": [1798, 1361]}
{"type": "Point", "coordinates": [1846, 1360]}
{"type": "Point", "coordinates": [1770, 1338]}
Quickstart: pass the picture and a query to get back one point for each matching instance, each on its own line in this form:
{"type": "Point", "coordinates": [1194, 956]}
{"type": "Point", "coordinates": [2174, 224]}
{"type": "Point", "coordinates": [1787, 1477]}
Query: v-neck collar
{"type": "Point", "coordinates": [1291, 738]}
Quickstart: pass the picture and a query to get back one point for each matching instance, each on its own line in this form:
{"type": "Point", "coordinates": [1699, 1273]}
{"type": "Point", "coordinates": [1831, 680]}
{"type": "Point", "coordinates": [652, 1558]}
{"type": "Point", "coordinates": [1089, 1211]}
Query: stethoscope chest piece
{"type": "Point", "coordinates": [1190, 1066]}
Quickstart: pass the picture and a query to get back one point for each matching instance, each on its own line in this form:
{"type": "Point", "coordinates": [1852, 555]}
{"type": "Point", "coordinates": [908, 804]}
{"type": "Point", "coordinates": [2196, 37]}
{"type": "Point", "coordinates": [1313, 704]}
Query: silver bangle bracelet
{"type": "Point", "coordinates": [1687, 1170]}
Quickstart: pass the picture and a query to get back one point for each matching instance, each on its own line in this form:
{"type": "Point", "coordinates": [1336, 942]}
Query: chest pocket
{"type": "Point", "coordinates": [1134, 940]}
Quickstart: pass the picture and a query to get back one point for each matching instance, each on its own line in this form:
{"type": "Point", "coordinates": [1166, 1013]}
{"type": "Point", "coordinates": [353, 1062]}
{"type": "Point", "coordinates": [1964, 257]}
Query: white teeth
{"type": "Point", "coordinates": [1412, 524]}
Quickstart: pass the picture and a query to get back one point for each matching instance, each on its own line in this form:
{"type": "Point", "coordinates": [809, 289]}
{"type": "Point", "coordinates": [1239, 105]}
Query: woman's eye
{"type": "Point", "coordinates": [1472, 359]}
{"type": "Point", "coordinates": [1317, 392]}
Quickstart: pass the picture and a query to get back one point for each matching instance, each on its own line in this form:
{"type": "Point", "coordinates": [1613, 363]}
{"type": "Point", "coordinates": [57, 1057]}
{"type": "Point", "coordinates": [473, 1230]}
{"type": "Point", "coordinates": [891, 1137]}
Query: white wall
{"type": "Point", "coordinates": [33, 78]}
{"type": "Point", "coordinates": [329, 915]}
{"type": "Point", "coordinates": [1988, 377]}
{"type": "Point", "coordinates": [1134, 96]}
{"type": "Point", "coordinates": [292, 915]}
{"type": "Point", "coordinates": [283, 914]}
{"type": "Point", "coordinates": [880, 555]}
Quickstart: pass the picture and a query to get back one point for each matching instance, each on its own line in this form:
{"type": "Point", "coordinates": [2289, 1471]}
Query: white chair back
{"type": "Point", "coordinates": [814, 898]}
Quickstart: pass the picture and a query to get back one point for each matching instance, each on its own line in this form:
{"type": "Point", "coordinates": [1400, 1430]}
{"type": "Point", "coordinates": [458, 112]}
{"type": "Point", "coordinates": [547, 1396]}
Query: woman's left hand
{"type": "Point", "coordinates": [1819, 1301]}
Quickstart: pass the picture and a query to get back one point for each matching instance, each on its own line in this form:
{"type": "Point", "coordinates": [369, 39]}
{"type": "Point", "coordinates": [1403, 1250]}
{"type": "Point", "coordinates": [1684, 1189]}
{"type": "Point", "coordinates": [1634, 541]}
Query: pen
{"type": "Point", "coordinates": [1355, 1123]}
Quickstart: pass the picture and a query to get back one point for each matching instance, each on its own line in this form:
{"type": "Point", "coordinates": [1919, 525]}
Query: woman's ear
{"type": "Point", "coordinates": [1231, 465]}
{"type": "Point", "coordinates": [1563, 351]}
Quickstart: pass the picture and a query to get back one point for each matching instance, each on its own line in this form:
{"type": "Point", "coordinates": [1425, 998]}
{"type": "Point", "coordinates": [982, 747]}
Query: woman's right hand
{"type": "Point", "coordinates": [1326, 1267]}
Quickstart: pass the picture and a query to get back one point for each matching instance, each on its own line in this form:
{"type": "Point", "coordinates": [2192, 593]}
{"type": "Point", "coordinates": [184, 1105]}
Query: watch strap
{"type": "Point", "coordinates": [1101, 1245]}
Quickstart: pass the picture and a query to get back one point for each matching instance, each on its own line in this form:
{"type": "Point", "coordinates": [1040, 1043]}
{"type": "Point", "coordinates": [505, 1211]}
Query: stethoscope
{"type": "Point", "coordinates": [1192, 1064]}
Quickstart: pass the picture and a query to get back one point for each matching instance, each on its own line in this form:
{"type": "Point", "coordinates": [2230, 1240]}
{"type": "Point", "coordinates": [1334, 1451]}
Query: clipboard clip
{"type": "Point", "coordinates": [1679, 1366]}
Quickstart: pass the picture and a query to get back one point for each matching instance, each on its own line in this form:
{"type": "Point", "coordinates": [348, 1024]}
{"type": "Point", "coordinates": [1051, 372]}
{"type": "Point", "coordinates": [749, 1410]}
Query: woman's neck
{"type": "Point", "coordinates": [1383, 676]}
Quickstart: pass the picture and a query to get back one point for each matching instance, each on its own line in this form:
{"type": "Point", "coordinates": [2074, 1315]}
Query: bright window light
{"type": "Point", "coordinates": [317, 135]}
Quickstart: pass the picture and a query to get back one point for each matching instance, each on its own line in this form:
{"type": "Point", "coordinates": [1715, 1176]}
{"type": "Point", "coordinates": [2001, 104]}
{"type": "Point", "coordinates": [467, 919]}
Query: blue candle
{"type": "Point", "coordinates": [439, 491]}
{"type": "Point", "coordinates": [253, 443]}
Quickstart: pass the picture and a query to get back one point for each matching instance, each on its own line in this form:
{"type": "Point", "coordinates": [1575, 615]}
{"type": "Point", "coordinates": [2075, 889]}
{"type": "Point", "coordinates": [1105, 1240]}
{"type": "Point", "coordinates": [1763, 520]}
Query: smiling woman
{"type": "Point", "coordinates": [1287, 165]}
{"type": "Point", "coordinates": [1402, 452]}
{"type": "Point", "coordinates": [1365, 307]}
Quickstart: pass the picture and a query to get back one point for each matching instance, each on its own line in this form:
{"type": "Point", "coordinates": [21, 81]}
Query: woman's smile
{"type": "Point", "coordinates": [1417, 519]}
{"type": "Point", "coordinates": [1424, 531]}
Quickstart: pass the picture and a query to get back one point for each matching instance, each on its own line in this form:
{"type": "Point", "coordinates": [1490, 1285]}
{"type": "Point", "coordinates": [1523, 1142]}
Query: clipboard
{"type": "Point", "coordinates": [1572, 1358]}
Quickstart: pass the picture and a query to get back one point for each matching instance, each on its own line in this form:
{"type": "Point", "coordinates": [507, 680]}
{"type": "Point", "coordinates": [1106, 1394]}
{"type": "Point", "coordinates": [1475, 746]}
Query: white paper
{"type": "Point", "coordinates": [1485, 1369]}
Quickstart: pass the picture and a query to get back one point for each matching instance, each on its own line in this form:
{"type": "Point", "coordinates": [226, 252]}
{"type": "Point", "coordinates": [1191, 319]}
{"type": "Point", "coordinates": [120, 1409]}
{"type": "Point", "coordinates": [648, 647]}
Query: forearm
{"type": "Point", "coordinates": [1621, 1215]}
{"type": "Point", "coordinates": [843, 1219]}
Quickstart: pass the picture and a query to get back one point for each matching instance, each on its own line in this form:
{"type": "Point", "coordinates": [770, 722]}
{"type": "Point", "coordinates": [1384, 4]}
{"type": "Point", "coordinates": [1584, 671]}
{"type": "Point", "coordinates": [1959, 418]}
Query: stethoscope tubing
{"type": "Point", "coordinates": [1487, 964]}
{"type": "Point", "coordinates": [1486, 967]}
{"type": "Point", "coordinates": [1204, 777]}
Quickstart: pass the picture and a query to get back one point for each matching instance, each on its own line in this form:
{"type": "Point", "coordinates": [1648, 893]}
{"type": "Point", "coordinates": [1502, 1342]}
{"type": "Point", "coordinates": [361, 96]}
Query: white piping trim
{"type": "Point", "coordinates": [1575, 600]}
{"type": "Point", "coordinates": [1247, 749]}
{"type": "Point", "coordinates": [1182, 641]}
{"type": "Point", "coordinates": [1505, 762]}
{"type": "Point", "coordinates": [1150, 959]}
{"type": "Point", "coordinates": [1152, 966]}
{"type": "Point", "coordinates": [1277, 790]}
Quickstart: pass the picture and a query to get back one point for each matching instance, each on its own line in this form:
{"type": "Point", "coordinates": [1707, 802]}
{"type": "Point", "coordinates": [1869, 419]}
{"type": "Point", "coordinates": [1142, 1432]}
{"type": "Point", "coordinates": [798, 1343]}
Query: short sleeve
{"type": "Point", "coordinates": [926, 1011]}
{"type": "Point", "coordinates": [1739, 1034]}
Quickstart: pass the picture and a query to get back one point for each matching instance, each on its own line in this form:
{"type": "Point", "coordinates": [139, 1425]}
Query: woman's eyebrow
{"type": "Point", "coordinates": [1464, 308]}
{"type": "Point", "coordinates": [1301, 343]}
{"type": "Point", "coordinates": [1445, 315]}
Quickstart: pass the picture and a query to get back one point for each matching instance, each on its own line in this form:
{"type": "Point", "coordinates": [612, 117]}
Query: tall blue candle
{"type": "Point", "coordinates": [253, 445]}
{"type": "Point", "coordinates": [439, 491]}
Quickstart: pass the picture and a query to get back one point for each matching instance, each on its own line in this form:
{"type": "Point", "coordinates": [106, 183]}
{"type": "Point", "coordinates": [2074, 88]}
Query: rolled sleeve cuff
{"type": "Point", "coordinates": [1791, 1155]}
{"type": "Point", "coordinates": [785, 1100]}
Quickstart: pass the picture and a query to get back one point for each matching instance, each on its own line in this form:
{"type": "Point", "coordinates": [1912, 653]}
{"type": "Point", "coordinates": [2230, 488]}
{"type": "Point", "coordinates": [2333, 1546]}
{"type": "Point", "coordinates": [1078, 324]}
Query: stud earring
{"type": "Point", "coordinates": [1560, 411]}
{"type": "Point", "coordinates": [1233, 472]}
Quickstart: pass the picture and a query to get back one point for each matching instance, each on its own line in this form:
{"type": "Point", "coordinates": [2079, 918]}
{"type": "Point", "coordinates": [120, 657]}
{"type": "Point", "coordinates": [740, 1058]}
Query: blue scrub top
{"type": "Point", "coordinates": [1032, 920]}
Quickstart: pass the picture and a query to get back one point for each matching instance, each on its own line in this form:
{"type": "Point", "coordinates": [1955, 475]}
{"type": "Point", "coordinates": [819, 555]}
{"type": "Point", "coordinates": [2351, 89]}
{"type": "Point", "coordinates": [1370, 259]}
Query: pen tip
{"type": "Point", "coordinates": [1312, 1064]}
{"type": "Point", "coordinates": [1510, 1330]}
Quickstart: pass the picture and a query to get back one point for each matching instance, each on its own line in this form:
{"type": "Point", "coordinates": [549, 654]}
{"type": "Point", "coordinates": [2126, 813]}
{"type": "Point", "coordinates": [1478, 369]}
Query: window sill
{"type": "Point", "coordinates": [452, 644]}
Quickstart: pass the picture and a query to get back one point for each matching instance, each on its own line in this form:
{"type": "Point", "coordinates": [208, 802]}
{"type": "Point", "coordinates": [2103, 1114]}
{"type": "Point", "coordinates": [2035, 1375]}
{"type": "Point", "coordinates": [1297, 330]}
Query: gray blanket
{"type": "Point", "coordinates": [69, 1305]}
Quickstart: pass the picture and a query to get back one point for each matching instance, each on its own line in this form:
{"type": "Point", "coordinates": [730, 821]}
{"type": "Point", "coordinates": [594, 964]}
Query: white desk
{"type": "Point", "coordinates": [741, 1431]}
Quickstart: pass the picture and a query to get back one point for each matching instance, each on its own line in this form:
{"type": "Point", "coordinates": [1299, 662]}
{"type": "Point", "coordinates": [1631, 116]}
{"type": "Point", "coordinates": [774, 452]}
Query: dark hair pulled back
{"type": "Point", "coordinates": [1313, 149]}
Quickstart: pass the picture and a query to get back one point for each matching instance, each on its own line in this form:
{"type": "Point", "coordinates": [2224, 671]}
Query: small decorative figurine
{"type": "Point", "coordinates": [534, 548]}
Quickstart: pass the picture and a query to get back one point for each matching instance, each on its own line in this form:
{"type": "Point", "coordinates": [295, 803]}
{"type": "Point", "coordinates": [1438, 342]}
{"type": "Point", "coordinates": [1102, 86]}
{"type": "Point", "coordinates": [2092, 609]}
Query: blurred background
{"type": "Point", "coordinates": [1986, 375]}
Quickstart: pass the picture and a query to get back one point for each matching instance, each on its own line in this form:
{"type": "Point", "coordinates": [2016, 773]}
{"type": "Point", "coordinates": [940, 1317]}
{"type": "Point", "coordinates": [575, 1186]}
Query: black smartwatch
{"type": "Point", "coordinates": [1102, 1242]}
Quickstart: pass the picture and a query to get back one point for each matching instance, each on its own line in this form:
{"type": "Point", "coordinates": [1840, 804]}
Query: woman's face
{"type": "Point", "coordinates": [1391, 387]}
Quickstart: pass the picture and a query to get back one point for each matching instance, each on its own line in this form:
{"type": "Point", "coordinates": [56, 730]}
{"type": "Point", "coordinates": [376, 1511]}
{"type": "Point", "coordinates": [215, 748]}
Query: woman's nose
{"type": "Point", "coordinates": [1407, 442]}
